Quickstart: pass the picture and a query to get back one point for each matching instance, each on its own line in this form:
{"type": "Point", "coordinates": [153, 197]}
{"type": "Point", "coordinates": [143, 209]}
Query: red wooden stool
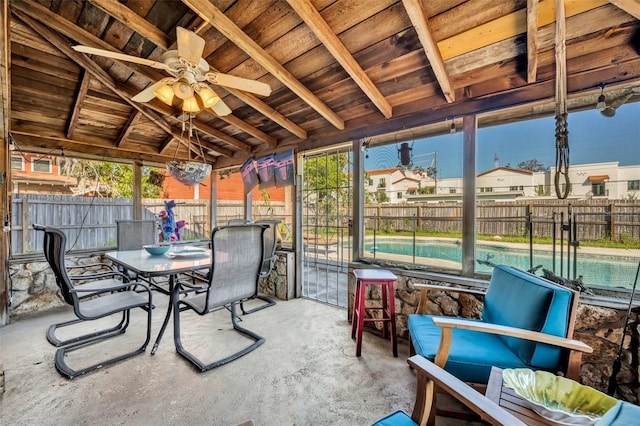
{"type": "Point", "coordinates": [385, 279]}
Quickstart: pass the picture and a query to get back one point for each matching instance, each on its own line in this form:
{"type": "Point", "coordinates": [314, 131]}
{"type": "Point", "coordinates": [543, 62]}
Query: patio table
{"type": "Point", "coordinates": [148, 266]}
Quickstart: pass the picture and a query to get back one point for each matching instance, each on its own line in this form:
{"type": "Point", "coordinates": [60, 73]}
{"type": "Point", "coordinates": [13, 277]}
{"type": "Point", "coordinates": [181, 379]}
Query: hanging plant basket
{"type": "Point", "coordinates": [188, 172]}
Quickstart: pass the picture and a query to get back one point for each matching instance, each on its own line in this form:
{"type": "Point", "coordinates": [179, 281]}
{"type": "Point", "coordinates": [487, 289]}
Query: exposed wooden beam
{"type": "Point", "coordinates": [5, 156]}
{"type": "Point", "coordinates": [219, 20]}
{"type": "Point", "coordinates": [38, 143]}
{"type": "Point", "coordinates": [245, 127]}
{"type": "Point", "coordinates": [431, 49]}
{"type": "Point", "coordinates": [532, 40]}
{"type": "Point", "coordinates": [508, 26]}
{"type": "Point", "coordinates": [561, 62]}
{"type": "Point", "coordinates": [268, 112]}
{"type": "Point", "coordinates": [61, 25]}
{"type": "Point", "coordinates": [136, 22]}
{"type": "Point", "coordinates": [165, 144]}
{"type": "Point", "coordinates": [127, 129]}
{"type": "Point", "coordinates": [77, 107]}
{"type": "Point", "coordinates": [104, 78]}
{"type": "Point", "coordinates": [632, 7]}
{"type": "Point", "coordinates": [330, 40]}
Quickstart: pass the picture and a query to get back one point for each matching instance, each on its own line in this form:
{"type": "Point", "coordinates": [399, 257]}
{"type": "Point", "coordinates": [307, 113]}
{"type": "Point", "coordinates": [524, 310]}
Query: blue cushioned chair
{"type": "Point", "coordinates": [429, 377]}
{"type": "Point", "coordinates": [527, 322]}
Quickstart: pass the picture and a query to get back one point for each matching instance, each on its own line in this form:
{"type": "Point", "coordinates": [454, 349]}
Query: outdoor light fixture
{"type": "Point", "coordinates": [208, 97]}
{"type": "Point", "coordinates": [602, 104]}
{"type": "Point", "coordinates": [452, 128]}
{"type": "Point", "coordinates": [405, 154]}
{"type": "Point", "coordinates": [194, 96]}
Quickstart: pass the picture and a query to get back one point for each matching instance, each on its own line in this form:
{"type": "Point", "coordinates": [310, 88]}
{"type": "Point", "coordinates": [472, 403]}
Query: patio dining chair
{"type": "Point", "coordinates": [235, 266]}
{"type": "Point", "coordinates": [134, 235]}
{"type": "Point", "coordinates": [270, 242]}
{"type": "Point", "coordinates": [107, 294]}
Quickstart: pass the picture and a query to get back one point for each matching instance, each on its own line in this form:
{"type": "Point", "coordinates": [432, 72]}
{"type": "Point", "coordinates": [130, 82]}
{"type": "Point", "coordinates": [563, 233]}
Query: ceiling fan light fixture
{"type": "Point", "coordinates": [208, 97]}
{"type": "Point", "coordinates": [191, 105]}
{"type": "Point", "coordinates": [165, 94]}
{"type": "Point", "coordinates": [182, 89]}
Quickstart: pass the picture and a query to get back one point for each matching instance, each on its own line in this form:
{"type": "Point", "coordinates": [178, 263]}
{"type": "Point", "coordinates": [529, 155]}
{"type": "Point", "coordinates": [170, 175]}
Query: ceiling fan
{"type": "Point", "coordinates": [190, 75]}
{"type": "Point", "coordinates": [609, 110]}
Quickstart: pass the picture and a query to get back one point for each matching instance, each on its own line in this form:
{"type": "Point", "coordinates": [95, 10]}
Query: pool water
{"type": "Point", "coordinates": [596, 271]}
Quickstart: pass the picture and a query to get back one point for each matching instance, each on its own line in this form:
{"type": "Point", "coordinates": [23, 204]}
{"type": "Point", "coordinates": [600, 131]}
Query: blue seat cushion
{"type": "Point", "coordinates": [472, 353]}
{"type": "Point", "coordinates": [515, 300]}
{"type": "Point", "coordinates": [397, 418]}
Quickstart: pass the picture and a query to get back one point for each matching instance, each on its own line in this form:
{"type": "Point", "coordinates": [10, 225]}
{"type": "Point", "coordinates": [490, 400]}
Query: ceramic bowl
{"type": "Point", "coordinates": [557, 398]}
{"type": "Point", "coordinates": [157, 249]}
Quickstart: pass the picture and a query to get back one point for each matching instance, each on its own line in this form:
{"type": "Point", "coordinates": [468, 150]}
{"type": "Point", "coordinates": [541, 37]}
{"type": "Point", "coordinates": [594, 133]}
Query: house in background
{"type": "Point", "coordinates": [398, 183]}
{"type": "Point", "coordinates": [39, 174]}
{"type": "Point", "coordinates": [230, 188]}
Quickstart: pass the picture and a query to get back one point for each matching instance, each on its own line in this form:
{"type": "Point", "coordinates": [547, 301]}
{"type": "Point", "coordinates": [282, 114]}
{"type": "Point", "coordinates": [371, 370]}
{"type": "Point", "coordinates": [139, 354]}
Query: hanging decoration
{"type": "Point", "coordinates": [189, 172]}
{"type": "Point", "coordinates": [249, 175]}
{"type": "Point", "coordinates": [562, 131]}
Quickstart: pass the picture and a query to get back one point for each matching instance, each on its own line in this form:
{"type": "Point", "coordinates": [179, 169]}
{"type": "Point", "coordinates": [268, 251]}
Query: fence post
{"type": "Point", "coordinates": [418, 216]}
{"type": "Point", "coordinates": [612, 222]}
{"type": "Point", "coordinates": [25, 225]}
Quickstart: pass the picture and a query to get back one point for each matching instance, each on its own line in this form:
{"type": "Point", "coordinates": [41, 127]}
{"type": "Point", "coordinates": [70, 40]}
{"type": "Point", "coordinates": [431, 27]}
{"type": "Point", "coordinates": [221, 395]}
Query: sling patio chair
{"type": "Point", "coordinates": [270, 242]}
{"type": "Point", "coordinates": [134, 235]}
{"type": "Point", "coordinates": [108, 294]}
{"type": "Point", "coordinates": [235, 266]}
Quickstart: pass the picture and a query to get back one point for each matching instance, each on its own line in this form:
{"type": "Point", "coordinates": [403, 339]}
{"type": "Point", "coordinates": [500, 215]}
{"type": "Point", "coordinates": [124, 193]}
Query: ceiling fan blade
{"type": "Point", "coordinates": [149, 93]}
{"type": "Point", "coordinates": [234, 82]}
{"type": "Point", "coordinates": [190, 45]}
{"type": "Point", "coordinates": [221, 109]}
{"type": "Point", "coordinates": [120, 56]}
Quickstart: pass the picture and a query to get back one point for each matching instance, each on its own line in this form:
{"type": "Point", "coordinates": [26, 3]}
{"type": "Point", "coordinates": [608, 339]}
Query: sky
{"type": "Point", "coordinates": [593, 138]}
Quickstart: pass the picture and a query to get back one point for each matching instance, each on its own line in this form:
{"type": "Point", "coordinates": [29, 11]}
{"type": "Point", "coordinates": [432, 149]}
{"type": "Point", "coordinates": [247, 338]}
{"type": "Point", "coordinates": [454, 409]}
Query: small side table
{"type": "Point", "coordinates": [508, 399]}
{"type": "Point", "coordinates": [385, 279]}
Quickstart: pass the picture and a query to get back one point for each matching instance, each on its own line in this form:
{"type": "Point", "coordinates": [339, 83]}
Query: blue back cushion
{"type": "Point", "coordinates": [518, 299]}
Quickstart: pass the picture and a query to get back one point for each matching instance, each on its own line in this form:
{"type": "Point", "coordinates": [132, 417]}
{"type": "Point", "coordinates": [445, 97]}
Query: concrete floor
{"type": "Point", "coordinates": [305, 373]}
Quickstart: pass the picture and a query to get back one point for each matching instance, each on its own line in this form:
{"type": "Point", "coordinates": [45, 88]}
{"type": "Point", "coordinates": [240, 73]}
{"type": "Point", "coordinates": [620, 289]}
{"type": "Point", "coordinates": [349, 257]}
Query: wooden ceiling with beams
{"type": "Point", "coordinates": [339, 70]}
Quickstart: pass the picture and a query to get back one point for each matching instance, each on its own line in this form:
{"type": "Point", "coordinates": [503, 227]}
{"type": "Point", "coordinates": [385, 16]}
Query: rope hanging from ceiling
{"type": "Point", "coordinates": [562, 130]}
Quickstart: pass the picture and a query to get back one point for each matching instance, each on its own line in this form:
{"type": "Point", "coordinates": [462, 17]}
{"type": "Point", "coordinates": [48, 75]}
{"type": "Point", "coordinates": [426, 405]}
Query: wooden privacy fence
{"type": "Point", "coordinates": [595, 219]}
{"type": "Point", "coordinates": [90, 222]}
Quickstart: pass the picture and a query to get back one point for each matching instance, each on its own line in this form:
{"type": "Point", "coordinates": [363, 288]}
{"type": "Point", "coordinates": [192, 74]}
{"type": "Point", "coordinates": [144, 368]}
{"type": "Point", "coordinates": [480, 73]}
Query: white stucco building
{"type": "Point", "coordinates": [595, 180]}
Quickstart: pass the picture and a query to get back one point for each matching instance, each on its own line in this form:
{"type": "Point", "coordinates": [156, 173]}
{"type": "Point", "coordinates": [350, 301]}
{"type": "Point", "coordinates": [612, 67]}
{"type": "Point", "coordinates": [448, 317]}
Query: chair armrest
{"type": "Point", "coordinates": [192, 286]}
{"type": "Point", "coordinates": [423, 287]}
{"type": "Point", "coordinates": [431, 376]}
{"type": "Point", "coordinates": [99, 275]}
{"type": "Point", "coordinates": [108, 266]}
{"type": "Point", "coordinates": [576, 347]}
{"type": "Point", "coordinates": [109, 288]}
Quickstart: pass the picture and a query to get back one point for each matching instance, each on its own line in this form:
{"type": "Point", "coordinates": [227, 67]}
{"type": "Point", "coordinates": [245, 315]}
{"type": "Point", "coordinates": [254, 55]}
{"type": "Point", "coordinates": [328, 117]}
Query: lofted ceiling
{"type": "Point", "coordinates": [339, 70]}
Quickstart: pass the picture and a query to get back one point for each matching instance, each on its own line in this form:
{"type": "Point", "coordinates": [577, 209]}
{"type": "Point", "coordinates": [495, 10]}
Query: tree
{"type": "Point", "coordinates": [326, 184]}
{"type": "Point", "coordinates": [110, 179]}
{"type": "Point", "coordinates": [532, 165]}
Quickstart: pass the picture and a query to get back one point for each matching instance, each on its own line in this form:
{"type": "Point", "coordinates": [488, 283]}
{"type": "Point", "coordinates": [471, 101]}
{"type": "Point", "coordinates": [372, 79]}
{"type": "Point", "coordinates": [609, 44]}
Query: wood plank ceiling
{"type": "Point", "coordinates": [339, 70]}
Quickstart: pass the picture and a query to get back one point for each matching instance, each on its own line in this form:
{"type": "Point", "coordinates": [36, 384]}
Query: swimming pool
{"type": "Point", "coordinates": [601, 270]}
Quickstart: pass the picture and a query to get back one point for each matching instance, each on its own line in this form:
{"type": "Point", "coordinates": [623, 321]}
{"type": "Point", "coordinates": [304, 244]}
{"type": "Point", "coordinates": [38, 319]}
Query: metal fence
{"type": "Point", "coordinates": [596, 219]}
{"type": "Point", "coordinates": [90, 222]}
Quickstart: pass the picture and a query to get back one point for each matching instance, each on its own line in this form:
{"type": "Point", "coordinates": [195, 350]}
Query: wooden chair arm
{"type": "Point", "coordinates": [576, 347]}
{"type": "Point", "coordinates": [423, 287]}
{"type": "Point", "coordinates": [431, 376]}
